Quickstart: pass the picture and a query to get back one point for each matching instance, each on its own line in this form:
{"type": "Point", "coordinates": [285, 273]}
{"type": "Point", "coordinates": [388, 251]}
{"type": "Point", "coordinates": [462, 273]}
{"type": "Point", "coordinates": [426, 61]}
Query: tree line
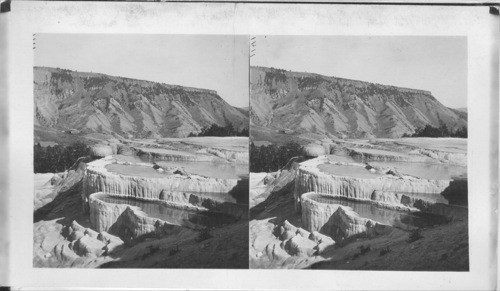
{"type": "Point", "coordinates": [442, 131]}
{"type": "Point", "coordinates": [58, 158]}
{"type": "Point", "coordinates": [271, 158]}
{"type": "Point", "coordinates": [215, 130]}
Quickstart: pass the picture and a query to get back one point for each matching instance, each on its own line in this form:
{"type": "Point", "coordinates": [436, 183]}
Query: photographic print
{"type": "Point", "coordinates": [358, 154]}
{"type": "Point", "coordinates": [140, 151]}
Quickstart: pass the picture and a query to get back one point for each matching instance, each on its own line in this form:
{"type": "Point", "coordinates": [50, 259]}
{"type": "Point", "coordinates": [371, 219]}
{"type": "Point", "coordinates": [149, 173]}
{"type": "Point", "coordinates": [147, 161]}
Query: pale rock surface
{"type": "Point", "coordinates": [88, 246]}
{"type": "Point", "coordinates": [300, 246]}
{"type": "Point", "coordinates": [311, 179]}
{"type": "Point", "coordinates": [98, 179]}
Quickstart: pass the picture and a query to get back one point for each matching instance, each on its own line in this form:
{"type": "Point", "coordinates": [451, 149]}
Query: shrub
{"type": "Point", "coordinates": [58, 158]}
{"type": "Point", "coordinates": [215, 130]}
{"type": "Point", "coordinates": [385, 251]}
{"type": "Point", "coordinates": [174, 250]}
{"type": "Point", "coordinates": [271, 158]}
{"type": "Point", "coordinates": [442, 131]}
{"type": "Point", "coordinates": [204, 235]}
{"type": "Point", "coordinates": [415, 235]}
{"type": "Point", "coordinates": [363, 250]}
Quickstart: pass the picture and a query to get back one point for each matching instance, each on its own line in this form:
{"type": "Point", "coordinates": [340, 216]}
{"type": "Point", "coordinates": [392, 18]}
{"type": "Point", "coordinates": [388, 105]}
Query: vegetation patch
{"type": "Point", "coordinates": [442, 131]}
{"type": "Point", "coordinates": [58, 158]}
{"type": "Point", "coordinates": [415, 235]}
{"type": "Point", "coordinates": [270, 158]}
{"type": "Point", "coordinates": [215, 130]}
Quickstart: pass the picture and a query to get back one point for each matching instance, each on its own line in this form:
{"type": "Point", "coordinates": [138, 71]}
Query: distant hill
{"type": "Point", "coordinates": [306, 103]}
{"type": "Point", "coordinates": [91, 102]}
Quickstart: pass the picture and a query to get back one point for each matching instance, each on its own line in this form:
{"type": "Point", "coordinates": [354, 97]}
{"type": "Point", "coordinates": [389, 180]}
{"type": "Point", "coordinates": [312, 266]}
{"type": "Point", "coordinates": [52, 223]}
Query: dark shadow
{"type": "Point", "coordinates": [283, 195]}
{"type": "Point", "coordinates": [457, 192]}
{"type": "Point", "coordinates": [67, 206]}
{"type": "Point", "coordinates": [240, 192]}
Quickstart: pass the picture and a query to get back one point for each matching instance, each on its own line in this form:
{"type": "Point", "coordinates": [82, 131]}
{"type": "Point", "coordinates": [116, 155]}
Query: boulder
{"type": "Point", "coordinates": [321, 247]}
{"type": "Point", "coordinates": [287, 234]}
{"type": "Point", "coordinates": [88, 246]}
{"type": "Point", "coordinates": [319, 238]}
{"type": "Point", "coordinates": [92, 233]}
{"type": "Point", "coordinates": [108, 238]}
{"type": "Point", "coordinates": [56, 179]}
{"type": "Point", "coordinates": [101, 150]}
{"type": "Point", "coordinates": [288, 226]}
{"type": "Point", "coordinates": [75, 235]}
{"type": "Point", "coordinates": [300, 246]}
{"type": "Point", "coordinates": [77, 227]}
{"type": "Point", "coordinates": [304, 233]}
{"type": "Point", "coordinates": [275, 252]}
{"type": "Point", "coordinates": [314, 150]}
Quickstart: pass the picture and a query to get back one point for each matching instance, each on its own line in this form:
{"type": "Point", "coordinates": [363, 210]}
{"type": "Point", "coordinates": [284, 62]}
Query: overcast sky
{"type": "Point", "coordinates": [436, 64]}
{"type": "Point", "coordinates": [212, 61]}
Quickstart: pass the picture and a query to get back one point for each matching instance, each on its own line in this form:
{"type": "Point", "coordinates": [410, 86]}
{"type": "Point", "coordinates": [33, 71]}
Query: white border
{"type": "Point", "coordinates": [474, 22]}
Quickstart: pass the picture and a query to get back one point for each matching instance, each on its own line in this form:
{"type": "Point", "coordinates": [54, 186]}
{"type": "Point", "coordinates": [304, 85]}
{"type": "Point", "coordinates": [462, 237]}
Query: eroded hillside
{"type": "Point", "coordinates": [304, 103]}
{"type": "Point", "coordinates": [93, 102]}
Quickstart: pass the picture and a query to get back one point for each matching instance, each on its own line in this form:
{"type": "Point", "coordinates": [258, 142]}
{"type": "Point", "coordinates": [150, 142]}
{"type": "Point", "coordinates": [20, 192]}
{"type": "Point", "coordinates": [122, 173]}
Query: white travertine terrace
{"type": "Point", "coordinates": [383, 189]}
{"type": "Point", "coordinates": [97, 178]}
{"type": "Point", "coordinates": [336, 220]}
{"type": "Point", "coordinates": [116, 218]}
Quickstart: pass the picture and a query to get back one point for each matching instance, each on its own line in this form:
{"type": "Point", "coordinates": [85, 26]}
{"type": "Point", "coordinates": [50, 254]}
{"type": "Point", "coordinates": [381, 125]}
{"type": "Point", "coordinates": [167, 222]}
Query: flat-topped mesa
{"type": "Point", "coordinates": [93, 102]}
{"type": "Point", "coordinates": [68, 74]}
{"type": "Point", "coordinates": [359, 183]}
{"type": "Point", "coordinates": [344, 107]}
{"type": "Point", "coordinates": [199, 90]}
{"type": "Point", "coordinates": [147, 183]}
{"type": "Point", "coordinates": [339, 80]}
{"type": "Point", "coordinates": [365, 84]}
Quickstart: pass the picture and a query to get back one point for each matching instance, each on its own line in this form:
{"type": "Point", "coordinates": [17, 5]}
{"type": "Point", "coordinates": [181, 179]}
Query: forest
{"type": "Point", "coordinates": [271, 158]}
{"type": "Point", "coordinates": [442, 131]}
{"type": "Point", "coordinates": [215, 130]}
{"type": "Point", "coordinates": [58, 158]}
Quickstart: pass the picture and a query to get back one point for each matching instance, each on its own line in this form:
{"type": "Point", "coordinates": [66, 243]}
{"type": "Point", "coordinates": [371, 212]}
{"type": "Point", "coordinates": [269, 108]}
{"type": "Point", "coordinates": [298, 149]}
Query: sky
{"type": "Point", "coordinates": [215, 62]}
{"type": "Point", "coordinates": [437, 64]}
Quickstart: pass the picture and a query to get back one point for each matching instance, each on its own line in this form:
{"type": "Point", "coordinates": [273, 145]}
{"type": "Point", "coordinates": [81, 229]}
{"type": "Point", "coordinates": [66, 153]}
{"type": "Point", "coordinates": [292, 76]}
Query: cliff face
{"type": "Point", "coordinates": [93, 102]}
{"type": "Point", "coordinates": [305, 102]}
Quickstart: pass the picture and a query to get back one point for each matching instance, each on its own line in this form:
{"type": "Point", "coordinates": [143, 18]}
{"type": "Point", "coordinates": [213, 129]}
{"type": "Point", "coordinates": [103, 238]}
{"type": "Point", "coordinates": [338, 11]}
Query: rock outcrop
{"type": "Point", "coordinates": [291, 243]}
{"type": "Point", "coordinates": [127, 222]}
{"type": "Point", "coordinates": [339, 222]}
{"type": "Point", "coordinates": [86, 242]}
